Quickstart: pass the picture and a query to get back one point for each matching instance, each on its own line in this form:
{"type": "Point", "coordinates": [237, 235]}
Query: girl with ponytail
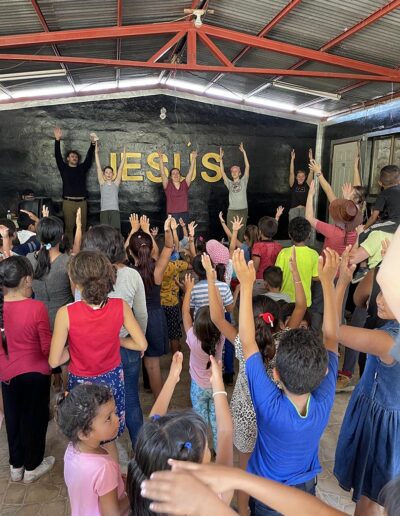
{"type": "Point", "coordinates": [51, 283]}
{"type": "Point", "coordinates": [267, 324]}
{"type": "Point", "coordinates": [141, 251]}
{"type": "Point", "coordinates": [204, 340]}
{"type": "Point", "coordinates": [24, 370]}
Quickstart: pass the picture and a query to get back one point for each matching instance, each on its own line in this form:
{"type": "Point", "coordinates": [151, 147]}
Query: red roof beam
{"type": "Point", "coordinates": [197, 67]}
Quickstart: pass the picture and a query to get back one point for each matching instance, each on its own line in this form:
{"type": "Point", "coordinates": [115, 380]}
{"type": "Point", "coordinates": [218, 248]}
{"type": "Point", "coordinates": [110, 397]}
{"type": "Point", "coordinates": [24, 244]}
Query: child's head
{"type": "Point", "coordinates": [11, 229]}
{"type": "Point", "coordinates": [15, 274]}
{"type": "Point", "coordinates": [177, 435]}
{"type": "Point", "coordinates": [273, 277]}
{"type": "Point", "coordinates": [300, 177]}
{"type": "Point", "coordinates": [251, 235]}
{"type": "Point", "coordinates": [389, 176]}
{"type": "Point", "coordinates": [384, 310]}
{"type": "Point", "coordinates": [266, 322]}
{"type": "Point", "coordinates": [345, 214]}
{"type": "Point", "coordinates": [93, 274]}
{"type": "Point", "coordinates": [198, 268]}
{"type": "Point", "coordinates": [299, 230]}
{"type": "Point", "coordinates": [139, 254]}
{"type": "Point", "coordinates": [287, 311]}
{"type": "Point", "coordinates": [301, 361]}
{"type": "Point", "coordinates": [359, 197]}
{"type": "Point", "coordinates": [108, 173]}
{"type": "Point", "coordinates": [200, 245]}
{"type": "Point", "coordinates": [107, 240]}
{"type": "Point", "coordinates": [50, 231]}
{"type": "Point", "coordinates": [268, 227]}
{"type": "Point", "coordinates": [87, 412]}
{"type": "Point", "coordinates": [25, 222]}
{"type": "Point", "coordinates": [206, 331]}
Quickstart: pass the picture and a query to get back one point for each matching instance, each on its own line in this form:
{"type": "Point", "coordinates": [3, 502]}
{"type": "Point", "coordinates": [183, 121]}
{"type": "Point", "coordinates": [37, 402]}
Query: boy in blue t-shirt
{"type": "Point", "coordinates": [290, 421]}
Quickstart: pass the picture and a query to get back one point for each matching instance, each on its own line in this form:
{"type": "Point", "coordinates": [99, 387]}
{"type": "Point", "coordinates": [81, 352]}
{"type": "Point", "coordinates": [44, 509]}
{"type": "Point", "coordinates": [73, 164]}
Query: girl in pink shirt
{"type": "Point", "coordinates": [204, 339]}
{"type": "Point", "coordinates": [87, 416]}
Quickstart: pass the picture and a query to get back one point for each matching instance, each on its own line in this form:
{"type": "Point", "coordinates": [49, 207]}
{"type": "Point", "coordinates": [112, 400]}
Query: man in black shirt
{"type": "Point", "coordinates": [299, 188]}
{"type": "Point", "coordinates": [73, 175]}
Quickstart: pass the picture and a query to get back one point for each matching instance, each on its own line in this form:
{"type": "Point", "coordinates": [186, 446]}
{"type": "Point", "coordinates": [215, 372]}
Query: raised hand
{"type": "Point", "coordinates": [206, 262]}
{"type": "Point", "coordinates": [188, 283]}
{"type": "Point", "coordinates": [31, 215]}
{"type": "Point", "coordinates": [145, 224]}
{"type": "Point", "coordinates": [221, 153]}
{"type": "Point", "coordinates": [347, 191]}
{"type": "Point", "coordinates": [134, 220]}
{"type": "Point", "coordinates": [293, 155]}
{"type": "Point", "coordinates": [4, 231]}
{"type": "Point", "coordinates": [346, 271]}
{"type": "Point", "coordinates": [154, 232]}
{"type": "Point", "coordinates": [241, 148]}
{"type": "Point", "coordinates": [167, 223]}
{"type": "Point", "coordinates": [192, 228]}
{"type": "Point", "coordinates": [45, 211]}
{"type": "Point", "coordinates": [293, 265]}
{"type": "Point", "coordinates": [245, 273]}
{"type": "Point", "coordinates": [279, 211]}
{"type": "Point", "coordinates": [182, 222]}
{"type": "Point", "coordinates": [174, 224]}
{"type": "Point", "coordinates": [194, 154]}
{"type": "Point", "coordinates": [237, 223]}
{"type": "Point", "coordinates": [57, 133]}
{"type": "Point", "coordinates": [315, 167]}
{"type": "Point", "coordinates": [176, 366]}
{"type": "Point", "coordinates": [327, 271]}
{"type": "Point", "coordinates": [310, 154]}
{"type": "Point", "coordinates": [221, 217]}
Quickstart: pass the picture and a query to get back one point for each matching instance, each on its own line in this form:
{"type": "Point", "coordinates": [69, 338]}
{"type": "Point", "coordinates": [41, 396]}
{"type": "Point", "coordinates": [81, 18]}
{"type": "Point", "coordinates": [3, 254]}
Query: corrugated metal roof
{"type": "Point", "coordinates": [18, 17]}
{"type": "Point", "coordinates": [77, 14]}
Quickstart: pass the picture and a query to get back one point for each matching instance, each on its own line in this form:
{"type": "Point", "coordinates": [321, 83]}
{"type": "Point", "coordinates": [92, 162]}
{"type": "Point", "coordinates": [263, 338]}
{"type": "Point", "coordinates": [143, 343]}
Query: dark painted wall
{"type": "Point", "coordinates": [27, 160]}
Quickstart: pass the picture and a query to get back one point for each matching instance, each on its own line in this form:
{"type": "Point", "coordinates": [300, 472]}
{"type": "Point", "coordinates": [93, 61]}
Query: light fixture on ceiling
{"type": "Point", "coordinates": [198, 13]}
{"type": "Point", "coordinates": [307, 91]}
{"type": "Point", "coordinates": [38, 74]}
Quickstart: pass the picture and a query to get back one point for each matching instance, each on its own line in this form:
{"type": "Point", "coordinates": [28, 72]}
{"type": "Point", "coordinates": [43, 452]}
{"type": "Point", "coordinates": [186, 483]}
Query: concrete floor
{"type": "Point", "coordinates": [48, 497]}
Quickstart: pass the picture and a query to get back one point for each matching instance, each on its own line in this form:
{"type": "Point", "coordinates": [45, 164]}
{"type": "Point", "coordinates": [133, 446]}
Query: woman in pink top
{"type": "Point", "coordinates": [24, 370]}
{"type": "Point", "coordinates": [204, 339]}
{"type": "Point", "coordinates": [87, 417]}
{"type": "Point", "coordinates": [176, 188]}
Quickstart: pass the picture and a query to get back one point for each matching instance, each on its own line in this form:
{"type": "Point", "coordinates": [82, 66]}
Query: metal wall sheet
{"type": "Point", "coordinates": [18, 17]}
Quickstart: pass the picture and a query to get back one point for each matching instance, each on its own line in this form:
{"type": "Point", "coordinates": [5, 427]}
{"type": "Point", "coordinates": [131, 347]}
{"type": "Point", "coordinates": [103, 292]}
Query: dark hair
{"type": "Point", "coordinates": [11, 229]}
{"type": "Point", "coordinates": [268, 226]}
{"type": "Point", "coordinates": [71, 151]}
{"type": "Point", "coordinates": [110, 167]}
{"type": "Point", "coordinates": [300, 172]}
{"type": "Point", "coordinates": [93, 272]}
{"type": "Point", "coordinates": [301, 360]}
{"type": "Point", "coordinates": [49, 231]}
{"type": "Point", "coordinates": [200, 245]}
{"type": "Point", "coordinates": [170, 172]}
{"type": "Point", "coordinates": [273, 276]}
{"type": "Point", "coordinates": [27, 191]}
{"type": "Point", "coordinates": [140, 248]}
{"type": "Point", "coordinates": [198, 268]}
{"type": "Point", "coordinates": [264, 331]}
{"type": "Point", "coordinates": [287, 310]}
{"type": "Point", "coordinates": [177, 435]}
{"type": "Point", "coordinates": [12, 271]}
{"type": "Point", "coordinates": [206, 331]}
{"type": "Point", "coordinates": [389, 497]}
{"type": "Point", "coordinates": [389, 175]}
{"type": "Point", "coordinates": [107, 240]}
{"type": "Point", "coordinates": [359, 196]}
{"type": "Point", "coordinates": [251, 232]}
{"type": "Point", "coordinates": [299, 229]}
{"type": "Point", "coordinates": [76, 410]}
{"type": "Point", "coordinates": [220, 270]}
{"type": "Point", "coordinates": [24, 220]}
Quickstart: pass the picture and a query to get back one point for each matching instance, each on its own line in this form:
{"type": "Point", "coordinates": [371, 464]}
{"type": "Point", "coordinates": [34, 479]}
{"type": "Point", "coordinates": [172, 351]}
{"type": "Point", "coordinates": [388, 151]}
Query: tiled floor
{"type": "Point", "coordinates": [48, 497]}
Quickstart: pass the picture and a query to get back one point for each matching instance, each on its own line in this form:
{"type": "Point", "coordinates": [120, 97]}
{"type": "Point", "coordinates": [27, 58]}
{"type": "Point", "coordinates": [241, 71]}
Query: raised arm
{"type": "Point", "coordinates": [100, 176]}
{"type": "Point", "coordinates": [57, 148]}
{"type": "Point", "coordinates": [215, 303]}
{"type": "Point", "coordinates": [192, 229]}
{"type": "Point", "coordinates": [326, 187]}
{"type": "Point", "coordinates": [163, 174]}
{"type": "Point", "coordinates": [135, 226]}
{"type": "Point", "coordinates": [327, 273]}
{"type": "Point", "coordinates": [160, 407]}
{"type": "Point", "coordinates": [310, 176]}
{"type": "Point", "coordinates": [89, 155]}
{"type": "Point", "coordinates": [356, 174]}
{"type": "Point", "coordinates": [246, 274]}
{"type": "Point", "coordinates": [300, 296]}
{"type": "Point", "coordinates": [291, 168]}
{"type": "Point", "coordinates": [187, 318]}
{"type": "Point", "coordinates": [120, 168]}
{"type": "Point", "coordinates": [279, 212]}
{"type": "Point", "coordinates": [78, 233]}
{"type": "Point", "coordinates": [189, 175]}
{"type": "Point", "coordinates": [221, 166]}
{"type": "Point", "coordinates": [237, 224]}
{"type": "Point", "coordinates": [246, 160]}
{"type": "Point", "coordinates": [174, 227]}
{"type": "Point", "coordinates": [227, 231]}
{"type": "Point", "coordinates": [310, 206]}
{"type": "Point", "coordinates": [166, 252]}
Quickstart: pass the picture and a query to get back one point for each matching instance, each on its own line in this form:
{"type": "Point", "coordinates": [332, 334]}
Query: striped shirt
{"type": "Point", "coordinates": [199, 296]}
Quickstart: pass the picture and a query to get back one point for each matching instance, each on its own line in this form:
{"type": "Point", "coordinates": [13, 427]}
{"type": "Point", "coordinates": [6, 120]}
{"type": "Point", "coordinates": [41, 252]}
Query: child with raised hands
{"type": "Point", "coordinates": [180, 435]}
{"type": "Point", "coordinates": [290, 419]}
{"type": "Point", "coordinates": [204, 339]}
{"type": "Point", "coordinates": [368, 453]}
{"type": "Point", "coordinates": [250, 236]}
{"type": "Point", "coordinates": [268, 325]}
{"type": "Point", "coordinates": [87, 417]}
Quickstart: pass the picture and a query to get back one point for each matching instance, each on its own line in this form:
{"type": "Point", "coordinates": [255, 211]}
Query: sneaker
{"type": "Point", "coordinates": [45, 466]}
{"type": "Point", "coordinates": [16, 474]}
{"type": "Point", "coordinates": [359, 275]}
{"type": "Point", "coordinates": [344, 383]}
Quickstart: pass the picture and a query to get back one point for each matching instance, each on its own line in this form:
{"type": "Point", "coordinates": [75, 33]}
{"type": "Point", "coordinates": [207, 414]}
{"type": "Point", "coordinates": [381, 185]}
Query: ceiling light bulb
{"type": "Point", "coordinates": [198, 22]}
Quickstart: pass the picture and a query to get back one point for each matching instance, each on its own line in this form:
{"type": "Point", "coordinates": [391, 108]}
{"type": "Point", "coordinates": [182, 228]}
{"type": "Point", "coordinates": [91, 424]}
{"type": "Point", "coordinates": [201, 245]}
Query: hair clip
{"type": "Point", "coordinates": [47, 247]}
{"type": "Point", "coordinates": [268, 318]}
{"type": "Point", "coordinates": [201, 238]}
{"type": "Point", "coordinates": [187, 445]}
{"type": "Point", "coordinates": [155, 417]}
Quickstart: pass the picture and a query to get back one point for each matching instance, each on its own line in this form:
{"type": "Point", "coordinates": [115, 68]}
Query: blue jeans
{"type": "Point", "coordinates": [203, 404]}
{"type": "Point", "coordinates": [259, 509]}
{"type": "Point", "coordinates": [131, 363]}
{"type": "Point", "coordinates": [229, 351]}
